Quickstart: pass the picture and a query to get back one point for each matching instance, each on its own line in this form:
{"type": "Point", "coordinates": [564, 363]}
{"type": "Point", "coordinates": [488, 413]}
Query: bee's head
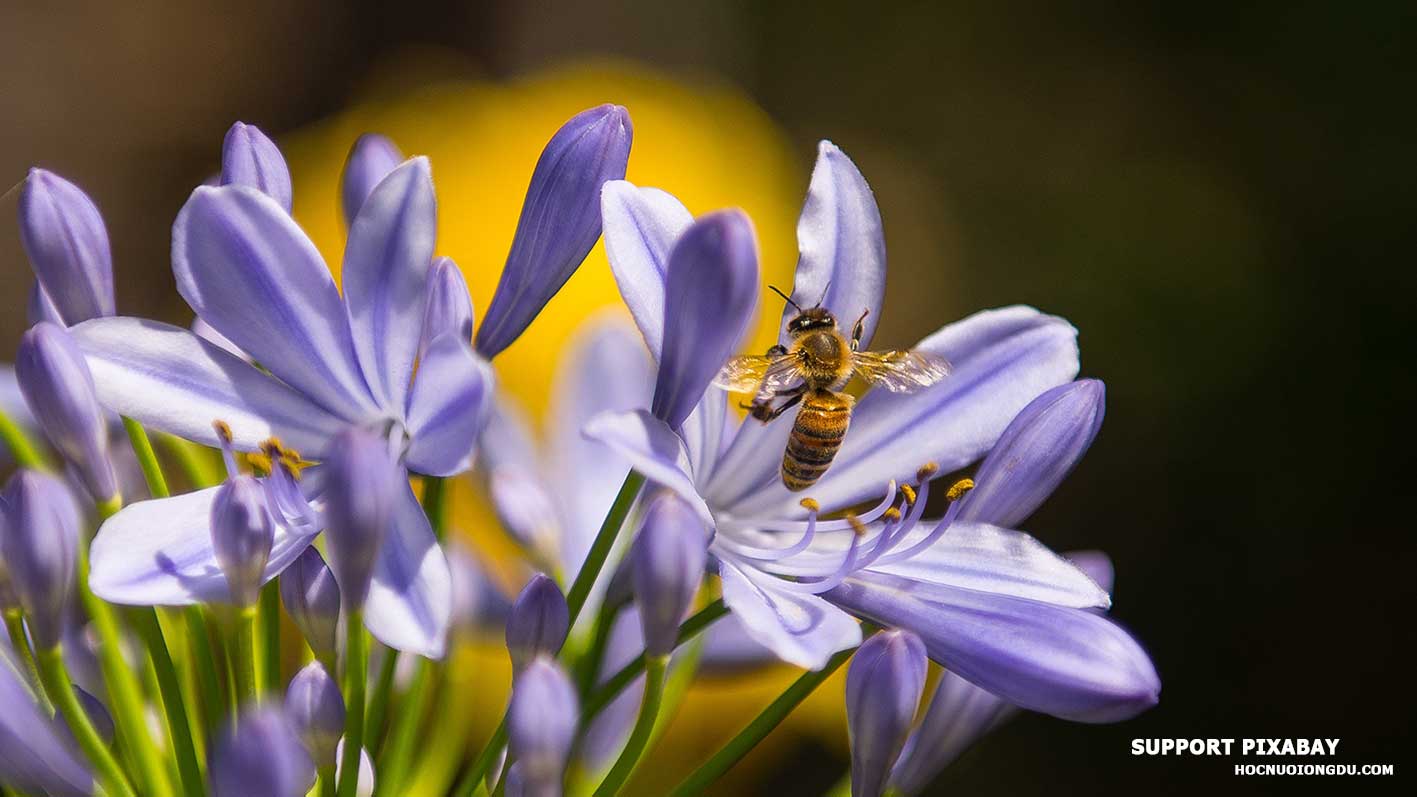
{"type": "Point", "coordinates": [811, 320]}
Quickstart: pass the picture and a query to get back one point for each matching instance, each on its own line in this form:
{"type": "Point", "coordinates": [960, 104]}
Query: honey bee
{"type": "Point", "coordinates": [811, 370]}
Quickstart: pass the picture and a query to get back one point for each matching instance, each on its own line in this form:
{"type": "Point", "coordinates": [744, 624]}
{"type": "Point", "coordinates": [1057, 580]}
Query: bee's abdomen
{"type": "Point", "coordinates": [816, 436]}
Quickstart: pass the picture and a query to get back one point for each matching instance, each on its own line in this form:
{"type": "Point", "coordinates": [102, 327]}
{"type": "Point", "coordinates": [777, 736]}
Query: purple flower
{"type": "Point", "coordinates": [249, 157]}
{"type": "Point", "coordinates": [67, 245]}
{"type": "Point", "coordinates": [60, 391]}
{"type": "Point", "coordinates": [883, 686]}
{"type": "Point", "coordinates": [370, 160]}
{"type": "Point", "coordinates": [788, 574]}
{"type": "Point", "coordinates": [538, 621]}
{"type": "Point", "coordinates": [34, 755]}
{"type": "Point", "coordinates": [311, 598]}
{"type": "Point", "coordinates": [362, 484]}
{"type": "Point", "coordinates": [667, 565]}
{"type": "Point", "coordinates": [560, 220]}
{"type": "Point", "coordinates": [330, 362]}
{"type": "Point", "coordinates": [39, 543]}
{"type": "Point", "coordinates": [447, 309]}
{"type": "Point", "coordinates": [541, 725]}
{"type": "Point", "coordinates": [263, 756]}
{"type": "Point", "coordinates": [316, 711]}
{"type": "Point", "coordinates": [242, 531]}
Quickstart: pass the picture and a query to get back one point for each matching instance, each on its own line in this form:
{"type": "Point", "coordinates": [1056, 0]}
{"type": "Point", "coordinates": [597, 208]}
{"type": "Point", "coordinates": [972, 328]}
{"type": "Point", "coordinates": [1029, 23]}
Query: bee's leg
{"type": "Point", "coordinates": [769, 413]}
{"type": "Point", "coordinates": [777, 350]}
{"type": "Point", "coordinates": [859, 330]}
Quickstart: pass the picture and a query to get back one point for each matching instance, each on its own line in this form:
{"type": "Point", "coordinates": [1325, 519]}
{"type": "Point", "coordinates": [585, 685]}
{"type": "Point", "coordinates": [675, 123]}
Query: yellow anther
{"type": "Point", "coordinates": [811, 505]}
{"type": "Point", "coordinates": [909, 493]}
{"type": "Point", "coordinates": [892, 514]}
{"type": "Point", "coordinates": [926, 471]}
{"type": "Point", "coordinates": [223, 430]}
{"type": "Point", "coordinates": [272, 448]}
{"type": "Point", "coordinates": [260, 464]}
{"type": "Point", "coordinates": [856, 525]}
{"type": "Point", "coordinates": [959, 488]}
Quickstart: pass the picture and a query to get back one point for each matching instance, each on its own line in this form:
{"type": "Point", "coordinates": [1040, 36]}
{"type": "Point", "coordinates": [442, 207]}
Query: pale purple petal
{"type": "Point", "coordinates": [611, 727]}
{"type": "Point", "coordinates": [370, 160]}
{"type": "Point", "coordinates": [40, 307]}
{"type": "Point", "coordinates": [385, 274]}
{"type": "Point", "coordinates": [842, 261]}
{"type": "Point", "coordinates": [711, 290]}
{"type": "Point", "coordinates": [171, 380]}
{"type": "Point", "coordinates": [447, 306]}
{"type": "Point", "coordinates": [1002, 359]}
{"type": "Point", "coordinates": [67, 245]}
{"type": "Point", "coordinates": [249, 271]}
{"type": "Point", "coordinates": [560, 220]}
{"type": "Point", "coordinates": [704, 432]}
{"type": "Point", "coordinates": [960, 713]}
{"type": "Point", "coordinates": [12, 401]}
{"type": "Point", "coordinates": [652, 449]}
{"type": "Point", "coordinates": [448, 407]}
{"type": "Point", "coordinates": [1071, 663]}
{"type": "Point", "coordinates": [410, 601]}
{"type": "Point", "coordinates": [249, 157]}
{"type": "Point", "coordinates": [641, 226]}
{"type": "Point", "coordinates": [159, 553]}
{"type": "Point", "coordinates": [801, 629]}
{"type": "Point", "coordinates": [728, 647]}
{"type": "Point", "coordinates": [1036, 452]}
{"type": "Point", "coordinates": [1097, 565]}
{"type": "Point", "coordinates": [752, 462]}
{"type": "Point", "coordinates": [987, 558]}
{"type": "Point", "coordinates": [34, 755]}
{"type": "Point", "coordinates": [205, 331]}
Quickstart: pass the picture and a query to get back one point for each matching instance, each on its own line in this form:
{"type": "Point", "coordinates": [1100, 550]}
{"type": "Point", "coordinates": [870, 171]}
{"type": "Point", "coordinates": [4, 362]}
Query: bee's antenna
{"type": "Point", "coordinates": [787, 298]}
{"type": "Point", "coordinates": [825, 291]}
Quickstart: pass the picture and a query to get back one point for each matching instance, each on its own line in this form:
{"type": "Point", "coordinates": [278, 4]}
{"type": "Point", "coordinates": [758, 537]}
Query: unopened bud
{"type": "Point", "coordinates": [538, 621]}
{"type": "Point", "coordinates": [242, 535]}
{"type": "Point", "coordinates": [668, 564]}
{"type": "Point", "coordinates": [311, 598]}
{"type": "Point", "coordinates": [883, 688]}
{"type": "Point", "coordinates": [39, 546]}
{"type": "Point", "coordinates": [362, 484]}
{"type": "Point", "coordinates": [316, 710]}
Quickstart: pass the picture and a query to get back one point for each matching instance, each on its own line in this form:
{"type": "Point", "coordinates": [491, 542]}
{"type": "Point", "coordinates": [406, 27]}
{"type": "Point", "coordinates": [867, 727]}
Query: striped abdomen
{"type": "Point", "coordinates": [816, 436]}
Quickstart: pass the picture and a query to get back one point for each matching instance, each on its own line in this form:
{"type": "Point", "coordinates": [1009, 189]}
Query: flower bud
{"type": "Point", "coordinates": [249, 157]}
{"type": "Point", "coordinates": [541, 725]}
{"type": "Point", "coordinates": [538, 621]}
{"type": "Point", "coordinates": [40, 307]}
{"type": "Point", "coordinates": [362, 484]}
{"type": "Point", "coordinates": [370, 160]}
{"type": "Point", "coordinates": [67, 245]}
{"type": "Point", "coordinates": [39, 547]}
{"type": "Point", "coordinates": [560, 220]}
{"type": "Point", "coordinates": [883, 687]}
{"type": "Point", "coordinates": [60, 391]}
{"type": "Point", "coordinates": [97, 713]}
{"type": "Point", "coordinates": [311, 598]}
{"type": "Point", "coordinates": [316, 711]}
{"type": "Point", "coordinates": [447, 305]}
{"type": "Point", "coordinates": [242, 535]}
{"type": "Point", "coordinates": [668, 564]}
{"type": "Point", "coordinates": [261, 756]}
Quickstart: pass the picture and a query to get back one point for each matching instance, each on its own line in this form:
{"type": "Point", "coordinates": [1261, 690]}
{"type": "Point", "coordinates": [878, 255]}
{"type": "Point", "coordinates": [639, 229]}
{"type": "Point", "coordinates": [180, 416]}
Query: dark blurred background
{"type": "Point", "coordinates": [1218, 195]}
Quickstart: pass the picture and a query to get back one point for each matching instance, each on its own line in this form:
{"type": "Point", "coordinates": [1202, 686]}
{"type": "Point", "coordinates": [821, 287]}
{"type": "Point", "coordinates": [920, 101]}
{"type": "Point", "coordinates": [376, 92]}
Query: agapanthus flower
{"type": "Point", "coordinates": [790, 574]}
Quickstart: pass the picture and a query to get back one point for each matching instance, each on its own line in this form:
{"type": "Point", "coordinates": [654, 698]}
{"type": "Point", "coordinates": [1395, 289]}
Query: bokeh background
{"type": "Point", "coordinates": [1218, 195]}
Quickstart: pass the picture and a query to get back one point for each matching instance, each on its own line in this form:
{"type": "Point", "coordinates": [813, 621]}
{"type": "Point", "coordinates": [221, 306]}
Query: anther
{"type": "Point", "coordinates": [810, 504]}
{"type": "Point", "coordinates": [857, 526]}
{"type": "Point", "coordinates": [223, 431]}
{"type": "Point", "coordinates": [926, 471]}
{"type": "Point", "coordinates": [892, 515]}
{"type": "Point", "coordinates": [909, 493]}
{"type": "Point", "coordinates": [958, 489]}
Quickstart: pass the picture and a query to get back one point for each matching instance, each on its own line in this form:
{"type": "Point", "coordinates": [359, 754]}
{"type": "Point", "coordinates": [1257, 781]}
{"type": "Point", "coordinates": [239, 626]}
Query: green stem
{"type": "Point", "coordinates": [588, 665]}
{"type": "Point", "coordinates": [61, 691]}
{"type": "Point", "coordinates": [604, 543]}
{"type": "Point", "coordinates": [22, 448]}
{"type": "Point", "coordinates": [124, 693]}
{"type": "Point", "coordinates": [178, 726]}
{"type": "Point", "coordinates": [757, 730]}
{"type": "Point", "coordinates": [268, 675]}
{"type": "Point", "coordinates": [644, 727]}
{"type": "Point", "coordinates": [196, 462]}
{"type": "Point", "coordinates": [435, 504]}
{"type": "Point", "coordinates": [243, 655]}
{"type": "Point", "coordinates": [208, 685]}
{"type": "Point", "coordinates": [692, 627]}
{"type": "Point", "coordinates": [147, 458]}
{"type": "Point", "coordinates": [327, 781]}
{"type": "Point", "coordinates": [398, 747]}
{"type": "Point", "coordinates": [356, 673]}
{"type": "Point", "coordinates": [20, 643]}
{"type": "Point", "coordinates": [472, 780]}
{"type": "Point", "coordinates": [379, 701]}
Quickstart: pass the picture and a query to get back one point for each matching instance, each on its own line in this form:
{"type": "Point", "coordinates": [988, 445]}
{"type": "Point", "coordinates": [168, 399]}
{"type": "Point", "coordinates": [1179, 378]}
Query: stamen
{"type": "Point", "coordinates": [926, 471]}
{"type": "Point", "coordinates": [909, 493]}
{"type": "Point", "coordinates": [892, 515]}
{"type": "Point", "coordinates": [810, 504]}
{"type": "Point", "coordinates": [856, 525]}
{"type": "Point", "coordinates": [958, 489]}
{"type": "Point", "coordinates": [228, 450]}
{"type": "Point", "coordinates": [774, 554]}
{"type": "Point", "coordinates": [870, 516]}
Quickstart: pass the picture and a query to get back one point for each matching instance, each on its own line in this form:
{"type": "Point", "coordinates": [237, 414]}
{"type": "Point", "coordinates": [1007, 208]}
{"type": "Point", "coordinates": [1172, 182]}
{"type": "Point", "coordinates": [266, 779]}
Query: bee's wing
{"type": "Point", "coordinates": [759, 374]}
{"type": "Point", "coordinates": [900, 371]}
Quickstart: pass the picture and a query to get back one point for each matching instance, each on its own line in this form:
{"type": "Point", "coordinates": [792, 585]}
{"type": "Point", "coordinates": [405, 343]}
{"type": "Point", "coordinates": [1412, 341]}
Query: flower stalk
{"type": "Point", "coordinates": [57, 683]}
{"type": "Point", "coordinates": [655, 668]}
{"type": "Point", "coordinates": [356, 675]}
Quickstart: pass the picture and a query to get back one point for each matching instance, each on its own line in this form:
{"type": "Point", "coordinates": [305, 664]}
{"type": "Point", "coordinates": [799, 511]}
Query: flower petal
{"type": "Point", "coordinates": [1097, 565]}
{"type": "Point", "coordinates": [448, 407]}
{"type": "Point", "coordinates": [171, 380]}
{"type": "Point", "coordinates": [641, 226]}
{"type": "Point", "coordinates": [1070, 663]}
{"type": "Point", "coordinates": [249, 271]}
{"type": "Point", "coordinates": [711, 289]}
{"type": "Point", "coordinates": [1035, 453]}
{"type": "Point", "coordinates": [410, 602]}
{"type": "Point", "coordinates": [1002, 359]}
{"type": "Point", "coordinates": [40, 307]}
{"type": "Point", "coordinates": [987, 558]}
{"type": "Point", "coordinates": [67, 245]}
{"type": "Point", "coordinates": [159, 553]}
{"type": "Point", "coordinates": [652, 449]}
{"type": "Point", "coordinates": [34, 755]}
{"type": "Point", "coordinates": [842, 261]}
{"type": "Point", "coordinates": [385, 274]}
{"type": "Point", "coordinates": [753, 459]}
{"type": "Point", "coordinates": [801, 629]}
{"type": "Point", "coordinates": [959, 714]}
{"type": "Point", "coordinates": [447, 306]}
{"type": "Point", "coordinates": [560, 220]}
{"type": "Point", "coordinates": [249, 157]}
{"type": "Point", "coordinates": [370, 160]}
